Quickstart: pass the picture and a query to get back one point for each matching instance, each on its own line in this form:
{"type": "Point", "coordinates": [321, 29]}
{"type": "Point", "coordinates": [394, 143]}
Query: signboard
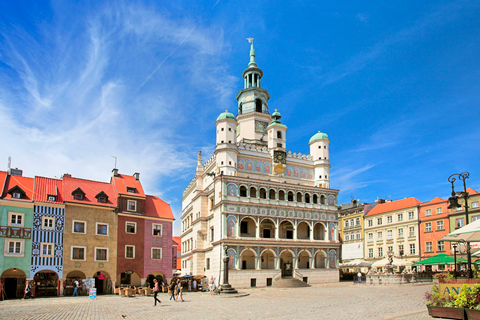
{"type": "Point", "coordinates": [455, 286]}
{"type": "Point", "coordinates": [93, 293]}
{"type": "Point", "coordinates": [352, 251]}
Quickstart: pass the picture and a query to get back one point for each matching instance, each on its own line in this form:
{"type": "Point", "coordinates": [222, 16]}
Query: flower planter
{"type": "Point", "coordinates": [472, 314]}
{"type": "Point", "coordinates": [444, 312]}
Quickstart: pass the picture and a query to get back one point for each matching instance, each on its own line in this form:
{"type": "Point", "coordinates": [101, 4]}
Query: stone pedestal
{"type": "Point", "coordinates": [385, 279]}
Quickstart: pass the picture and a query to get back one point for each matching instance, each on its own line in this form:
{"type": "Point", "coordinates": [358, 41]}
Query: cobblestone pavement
{"type": "Point", "coordinates": [328, 301]}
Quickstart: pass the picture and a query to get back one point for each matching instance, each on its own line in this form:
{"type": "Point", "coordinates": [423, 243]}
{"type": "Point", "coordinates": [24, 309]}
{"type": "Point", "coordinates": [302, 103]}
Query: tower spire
{"type": "Point", "coordinates": [252, 63]}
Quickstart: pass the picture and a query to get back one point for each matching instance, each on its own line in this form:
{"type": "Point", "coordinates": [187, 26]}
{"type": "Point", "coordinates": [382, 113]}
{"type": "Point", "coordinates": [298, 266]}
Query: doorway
{"type": "Point", "coordinates": [10, 285]}
{"type": "Point", "coordinates": [287, 270]}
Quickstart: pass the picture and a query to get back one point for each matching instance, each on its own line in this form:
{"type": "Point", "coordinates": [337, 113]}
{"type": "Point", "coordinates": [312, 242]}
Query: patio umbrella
{"type": "Point", "coordinates": [357, 263]}
{"type": "Point", "coordinates": [469, 233]}
{"type": "Point", "coordinates": [396, 263]}
{"type": "Point", "coordinates": [439, 259]}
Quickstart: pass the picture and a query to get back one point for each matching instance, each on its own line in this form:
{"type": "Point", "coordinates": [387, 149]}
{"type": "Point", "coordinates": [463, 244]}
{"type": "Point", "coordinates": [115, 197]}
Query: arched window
{"type": "Point", "coordinates": [290, 196]}
{"type": "Point", "coordinates": [322, 199]}
{"type": "Point", "coordinates": [253, 192]}
{"type": "Point", "coordinates": [307, 198]}
{"type": "Point", "coordinates": [263, 194]}
{"type": "Point", "coordinates": [240, 108]}
{"type": "Point", "coordinates": [271, 194]}
{"type": "Point", "coordinates": [281, 195]}
{"type": "Point", "coordinates": [258, 105]}
{"type": "Point", "coordinates": [243, 191]}
{"type": "Point", "coordinates": [315, 198]}
{"type": "Point", "coordinates": [279, 134]}
{"type": "Point", "coordinates": [299, 197]}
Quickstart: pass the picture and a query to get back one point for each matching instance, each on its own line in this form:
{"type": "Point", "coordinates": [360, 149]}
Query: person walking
{"type": "Point", "coordinates": [179, 290]}
{"type": "Point", "coordinates": [189, 285]}
{"type": "Point", "coordinates": [359, 275]}
{"type": "Point", "coordinates": [75, 287]}
{"type": "Point", "coordinates": [172, 289]}
{"type": "Point", "coordinates": [194, 285]}
{"type": "Point", "coordinates": [156, 290]}
{"type": "Point", "coordinates": [26, 293]}
{"type": "Point", "coordinates": [212, 285]}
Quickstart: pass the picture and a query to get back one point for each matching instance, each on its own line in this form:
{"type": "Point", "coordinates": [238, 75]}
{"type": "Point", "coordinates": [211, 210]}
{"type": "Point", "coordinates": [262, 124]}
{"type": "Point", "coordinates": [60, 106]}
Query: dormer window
{"type": "Point", "coordinates": [78, 194]}
{"type": "Point", "coordinates": [52, 198]}
{"type": "Point", "coordinates": [101, 197]}
{"type": "Point", "coordinates": [131, 190]}
{"type": "Point", "coordinates": [16, 192]}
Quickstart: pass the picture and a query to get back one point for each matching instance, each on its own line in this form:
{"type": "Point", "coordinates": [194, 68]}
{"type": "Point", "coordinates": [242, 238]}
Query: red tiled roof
{"type": "Point", "coordinates": [24, 183]}
{"type": "Point", "coordinates": [178, 240]}
{"type": "Point", "coordinates": [91, 189]}
{"type": "Point", "coordinates": [121, 182]}
{"type": "Point", "coordinates": [45, 187]}
{"type": "Point", "coordinates": [434, 200]}
{"type": "Point", "coordinates": [471, 191]}
{"type": "Point", "coordinates": [156, 207]}
{"type": "Point", "coordinates": [394, 205]}
{"type": "Point", "coordinates": [3, 179]}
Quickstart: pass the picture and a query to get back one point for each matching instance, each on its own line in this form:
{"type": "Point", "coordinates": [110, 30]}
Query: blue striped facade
{"type": "Point", "coordinates": [54, 236]}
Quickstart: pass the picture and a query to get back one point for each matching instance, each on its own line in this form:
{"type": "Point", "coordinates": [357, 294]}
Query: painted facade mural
{"type": "Point", "coordinates": [331, 200]}
{"type": "Point", "coordinates": [231, 226]}
{"type": "Point", "coordinates": [231, 258]}
{"type": "Point", "coordinates": [232, 190]}
{"type": "Point", "coordinates": [331, 231]}
{"type": "Point", "coordinates": [266, 167]}
{"type": "Point", "coordinates": [332, 259]}
{"type": "Point", "coordinates": [241, 164]}
{"type": "Point", "coordinates": [258, 166]}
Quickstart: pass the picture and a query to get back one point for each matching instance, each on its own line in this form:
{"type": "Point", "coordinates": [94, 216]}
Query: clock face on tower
{"type": "Point", "coordinates": [280, 157]}
{"type": "Point", "coordinates": [261, 126]}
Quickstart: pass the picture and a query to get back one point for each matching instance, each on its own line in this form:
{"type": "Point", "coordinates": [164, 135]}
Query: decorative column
{"type": "Point", "coordinates": [295, 230]}
{"type": "Point", "coordinates": [257, 229]}
{"type": "Point", "coordinates": [61, 287]}
{"type": "Point", "coordinates": [226, 288]}
{"type": "Point", "coordinates": [311, 232]}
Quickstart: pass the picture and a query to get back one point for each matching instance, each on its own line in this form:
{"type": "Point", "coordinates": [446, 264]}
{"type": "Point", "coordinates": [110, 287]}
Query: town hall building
{"type": "Point", "coordinates": [272, 208]}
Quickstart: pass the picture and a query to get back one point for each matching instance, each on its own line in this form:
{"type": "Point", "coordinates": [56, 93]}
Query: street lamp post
{"type": "Point", "coordinates": [455, 258]}
{"type": "Point", "coordinates": [453, 204]}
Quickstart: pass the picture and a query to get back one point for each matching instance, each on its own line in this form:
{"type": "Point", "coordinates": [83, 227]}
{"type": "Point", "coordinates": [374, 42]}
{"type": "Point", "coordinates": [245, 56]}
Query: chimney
{"type": "Point", "coordinates": [379, 201]}
{"type": "Point", "coordinates": [137, 176]}
{"type": "Point", "coordinates": [15, 172]}
{"type": "Point", "coordinates": [66, 175]}
{"type": "Point", "coordinates": [115, 172]}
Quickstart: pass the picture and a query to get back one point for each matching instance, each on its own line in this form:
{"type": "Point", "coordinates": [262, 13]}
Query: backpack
{"type": "Point", "coordinates": [74, 284]}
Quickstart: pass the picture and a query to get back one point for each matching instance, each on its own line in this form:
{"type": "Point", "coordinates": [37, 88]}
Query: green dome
{"type": "Point", "coordinates": [276, 114]}
{"type": "Point", "coordinates": [226, 115]}
{"type": "Point", "coordinates": [317, 136]}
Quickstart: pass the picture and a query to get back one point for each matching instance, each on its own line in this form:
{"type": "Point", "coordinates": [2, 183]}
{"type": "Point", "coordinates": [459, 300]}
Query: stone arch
{"type": "Point", "coordinates": [299, 197]}
{"type": "Point", "coordinates": [303, 230]}
{"type": "Point", "coordinates": [315, 198]}
{"type": "Point", "coordinates": [253, 192]}
{"type": "Point", "coordinates": [281, 195]}
{"type": "Point", "coordinates": [267, 228]}
{"type": "Point", "coordinates": [13, 282]}
{"type": "Point", "coordinates": [286, 231]}
{"type": "Point", "coordinates": [243, 191]}
{"type": "Point", "coordinates": [272, 194]}
{"type": "Point", "coordinates": [248, 259]}
{"type": "Point", "coordinates": [307, 197]}
{"type": "Point", "coordinates": [319, 231]}
{"type": "Point", "coordinates": [290, 196]}
{"type": "Point", "coordinates": [304, 257]}
{"type": "Point", "coordinates": [323, 199]}
{"type": "Point", "coordinates": [248, 227]}
{"type": "Point", "coordinates": [320, 259]}
{"type": "Point", "coordinates": [262, 193]}
{"type": "Point", "coordinates": [287, 250]}
{"type": "Point", "coordinates": [268, 257]}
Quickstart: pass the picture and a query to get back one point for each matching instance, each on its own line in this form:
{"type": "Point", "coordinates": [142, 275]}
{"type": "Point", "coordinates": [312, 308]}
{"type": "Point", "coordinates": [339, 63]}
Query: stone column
{"type": "Point", "coordinates": [311, 232]}
{"type": "Point", "coordinates": [61, 287]}
{"type": "Point", "coordinates": [257, 229]}
{"type": "Point", "coordinates": [113, 285]}
{"type": "Point", "coordinates": [295, 225]}
{"type": "Point", "coordinates": [143, 281]}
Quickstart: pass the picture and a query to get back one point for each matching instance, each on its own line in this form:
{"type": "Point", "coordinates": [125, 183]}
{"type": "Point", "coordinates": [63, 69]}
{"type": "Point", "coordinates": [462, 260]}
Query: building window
{"type": "Point", "coordinates": [157, 230]}
{"type": "Point", "coordinates": [79, 227]}
{"type": "Point", "coordinates": [14, 247]}
{"type": "Point", "coordinates": [439, 210]}
{"type": "Point", "coordinates": [400, 217]}
{"type": "Point", "coordinates": [131, 190]}
{"type": "Point", "coordinates": [48, 223]}
{"type": "Point", "coordinates": [347, 237]}
{"type": "Point", "coordinates": [357, 221]}
{"type": "Point", "coordinates": [156, 253]}
{"type": "Point", "coordinates": [459, 223]}
{"type": "Point", "coordinates": [370, 237]}
{"type": "Point", "coordinates": [370, 223]}
{"type": "Point", "coordinates": [15, 219]}
{"type": "Point", "coordinates": [428, 212]}
{"type": "Point", "coordinates": [52, 198]}
{"type": "Point", "coordinates": [389, 219]}
{"type": "Point", "coordinates": [400, 233]}
{"type": "Point", "coordinates": [390, 249]}
{"type": "Point", "coordinates": [130, 252]}
{"type": "Point", "coordinates": [131, 227]}
{"type": "Point", "coordinates": [102, 229]}
{"type": "Point", "coordinates": [47, 250]}
{"type": "Point", "coordinates": [411, 215]}
{"type": "Point", "coordinates": [125, 278]}
{"type": "Point", "coordinates": [212, 234]}
{"type": "Point", "coordinates": [208, 263]}
{"type": "Point", "coordinates": [379, 221]}
{"type": "Point", "coordinates": [411, 232]}
{"type": "Point", "coordinates": [474, 204]}
{"type": "Point", "coordinates": [428, 247]}
{"type": "Point", "coordinates": [389, 234]}
{"type": "Point", "coordinates": [101, 254]}
{"type": "Point", "coordinates": [370, 253]}
{"type": "Point", "coordinates": [380, 252]}
{"type": "Point", "coordinates": [16, 195]}
{"type": "Point", "coordinates": [428, 227]}
{"type": "Point", "coordinates": [439, 225]}
{"type": "Point", "coordinates": [346, 223]}
{"type": "Point", "coordinates": [475, 218]}
{"type": "Point", "coordinates": [441, 246]}
{"type": "Point", "coordinates": [101, 199]}
{"type": "Point", "coordinates": [412, 248]}
{"type": "Point", "coordinates": [459, 208]}
{"type": "Point", "coordinates": [379, 235]}
{"type": "Point", "coordinates": [78, 253]}
{"type": "Point", "coordinates": [400, 249]}
{"type": "Point", "coordinates": [131, 205]}
{"type": "Point", "coordinates": [78, 196]}
{"type": "Point", "coordinates": [357, 235]}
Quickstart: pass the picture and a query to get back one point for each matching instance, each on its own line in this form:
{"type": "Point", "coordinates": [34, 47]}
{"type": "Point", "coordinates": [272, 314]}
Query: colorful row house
{"type": "Point", "coordinates": [59, 230]}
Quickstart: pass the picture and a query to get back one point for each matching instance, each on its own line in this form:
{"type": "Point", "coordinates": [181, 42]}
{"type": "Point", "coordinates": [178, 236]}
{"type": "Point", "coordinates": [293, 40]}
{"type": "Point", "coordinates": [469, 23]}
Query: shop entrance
{"type": "Point", "coordinates": [102, 282]}
{"type": "Point", "coordinates": [10, 286]}
{"type": "Point", "coordinates": [286, 263]}
{"type": "Point", "coordinates": [46, 283]}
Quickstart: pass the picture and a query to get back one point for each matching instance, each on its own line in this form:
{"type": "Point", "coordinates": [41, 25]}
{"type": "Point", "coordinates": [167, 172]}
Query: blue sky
{"type": "Point", "coordinates": [395, 85]}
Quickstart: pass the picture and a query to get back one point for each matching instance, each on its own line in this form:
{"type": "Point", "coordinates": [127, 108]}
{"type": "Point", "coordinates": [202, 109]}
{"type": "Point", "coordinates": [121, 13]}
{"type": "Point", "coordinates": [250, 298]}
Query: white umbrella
{"type": "Point", "coordinates": [396, 263]}
{"type": "Point", "coordinates": [357, 263]}
{"type": "Point", "coordinates": [468, 233]}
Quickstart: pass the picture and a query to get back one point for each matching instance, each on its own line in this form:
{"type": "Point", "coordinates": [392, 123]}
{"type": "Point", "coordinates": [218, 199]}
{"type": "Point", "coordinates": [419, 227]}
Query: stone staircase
{"type": "Point", "coordinates": [289, 282]}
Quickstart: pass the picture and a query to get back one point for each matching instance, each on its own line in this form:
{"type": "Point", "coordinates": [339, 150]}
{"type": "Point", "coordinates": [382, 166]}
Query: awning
{"type": "Point", "coordinates": [396, 263]}
{"type": "Point", "coordinates": [440, 259]}
{"type": "Point", "coordinates": [357, 263]}
{"type": "Point", "coordinates": [469, 233]}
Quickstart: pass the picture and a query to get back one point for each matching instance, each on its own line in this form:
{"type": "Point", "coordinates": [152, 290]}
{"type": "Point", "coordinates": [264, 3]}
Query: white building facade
{"type": "Point", "coordinates": [272, 208]}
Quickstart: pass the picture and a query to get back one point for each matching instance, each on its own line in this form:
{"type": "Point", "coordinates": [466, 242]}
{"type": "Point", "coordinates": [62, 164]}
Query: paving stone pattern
{"type": "Point", "coordinates": [328, 301]}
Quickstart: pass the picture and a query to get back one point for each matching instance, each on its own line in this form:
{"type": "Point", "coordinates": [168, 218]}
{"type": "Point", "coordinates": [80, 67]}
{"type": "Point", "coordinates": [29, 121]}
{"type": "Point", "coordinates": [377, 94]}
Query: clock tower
{"type": "Point", "coordinates": [253, 116]}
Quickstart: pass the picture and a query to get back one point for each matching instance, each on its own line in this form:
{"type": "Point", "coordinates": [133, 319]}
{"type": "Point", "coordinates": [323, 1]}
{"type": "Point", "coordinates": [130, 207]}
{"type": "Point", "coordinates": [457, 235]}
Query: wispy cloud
{"type": "Point", "coordinates": [349, 179]}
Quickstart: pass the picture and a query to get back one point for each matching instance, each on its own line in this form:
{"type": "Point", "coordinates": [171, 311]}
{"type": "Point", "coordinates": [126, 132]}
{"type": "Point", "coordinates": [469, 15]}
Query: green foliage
{"type": "Point", "coordinates": [468, 297]}
{"type": "Point", "coordinates": [448, 275]}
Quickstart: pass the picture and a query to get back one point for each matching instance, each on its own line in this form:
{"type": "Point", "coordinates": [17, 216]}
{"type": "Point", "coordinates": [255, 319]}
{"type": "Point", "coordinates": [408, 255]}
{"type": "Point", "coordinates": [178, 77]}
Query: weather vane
{"type": "Point", "coordinates": [250, 40]}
